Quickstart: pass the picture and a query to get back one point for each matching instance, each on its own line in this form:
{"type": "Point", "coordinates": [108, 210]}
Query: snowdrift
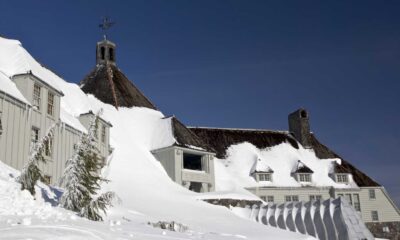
{"type": "Point", "coordinates": [146, 191]}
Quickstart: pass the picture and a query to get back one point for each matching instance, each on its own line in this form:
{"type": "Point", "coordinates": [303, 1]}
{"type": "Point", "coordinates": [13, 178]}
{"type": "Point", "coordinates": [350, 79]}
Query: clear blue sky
{"type": "Point", "coordinates": [243, 63]}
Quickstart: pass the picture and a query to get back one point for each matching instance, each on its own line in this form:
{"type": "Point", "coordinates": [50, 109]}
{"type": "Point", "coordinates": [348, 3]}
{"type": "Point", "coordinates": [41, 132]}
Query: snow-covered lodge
{"type": "Point", "coordinates": [276, 166]}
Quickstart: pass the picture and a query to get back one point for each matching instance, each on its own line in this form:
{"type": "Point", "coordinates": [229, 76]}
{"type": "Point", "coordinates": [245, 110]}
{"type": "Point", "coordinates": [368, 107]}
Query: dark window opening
{"type": "Point", "coordinates": [102, 53]}
{"type": "Point", "coordinates": [196, 187]}
{"type": "Point", "coordinates": [303, 114]}
{"type": "Point", "coordinates": [111, 53]}
{"type": "Point", "coordinates": [192, 161]}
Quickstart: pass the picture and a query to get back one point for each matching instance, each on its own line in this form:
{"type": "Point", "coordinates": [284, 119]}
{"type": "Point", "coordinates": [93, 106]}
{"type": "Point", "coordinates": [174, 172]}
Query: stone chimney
{"type": "Point", "coordinates": [299, 126]}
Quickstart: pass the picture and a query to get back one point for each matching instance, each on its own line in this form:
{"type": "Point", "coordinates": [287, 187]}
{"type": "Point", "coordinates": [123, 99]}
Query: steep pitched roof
{"type": "Point", "coordinates": [302, 168]}
{"type": "Point", "coordinates": [220, 139]}
{"type": "Point", "coordinates": [114, 88]}
{"type": "Point", "coordinates": [323, 152]}
{"type": "Point", "coordinates": [186, 138]}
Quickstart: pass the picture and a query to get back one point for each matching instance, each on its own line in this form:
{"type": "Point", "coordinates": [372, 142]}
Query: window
{"type": "Point", "coordinates": [47, 179]}
{"type": "Point", "coordinates": [374, 216]}
{"type": "Point", "coordinates": [48, 147]}
{"type": "Point", "coordinates": [36, 96]}
{"type": "Point", "coordinates": [342, 178]}
{"type": "Point", "coordinates": [386, 229]}
{"type": "Point", "coordinates": [192, 161]}
{"type": "Point", "coordinates": [264, 198]}
{"type": "Point", "coordinates": [50, 103]}
{"type": "Point", "coordinates": [270, 198]}
{"type": "Point", "coordinates": [372, 194]}
{"type": "Point", "coordinates": [348, 198]}
{"type": "Point", "coordinates": [103, 134]}
{"type": "Point", "coordinates": [264, 177]}
{"type": "Point", "coordinates": [102, 53]}
{"type": "Point", "coordinates": [34, 136]}
{"type": "Point", "coordinates": [315, 197]}
{"type": "Point", "coordinates": [304, 177]}
{"type": "Point", "coordinates": [291, 198]}
{"type": "Point", "coordinates": [356, 204]}
{"type": "Point", "coordinates": [111, 53]}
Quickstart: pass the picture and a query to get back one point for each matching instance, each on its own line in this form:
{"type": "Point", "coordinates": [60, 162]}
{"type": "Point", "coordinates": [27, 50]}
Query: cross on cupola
{"type": "Point", "coordinates": [105, 50]}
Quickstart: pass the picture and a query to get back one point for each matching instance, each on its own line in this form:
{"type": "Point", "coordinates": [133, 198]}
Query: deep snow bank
{"type": "Point", "coordinates": [136, 176]}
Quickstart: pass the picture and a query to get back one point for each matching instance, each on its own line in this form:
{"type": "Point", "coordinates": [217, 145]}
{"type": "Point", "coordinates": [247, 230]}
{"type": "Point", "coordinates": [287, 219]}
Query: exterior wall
{"type": "Point", "coordinates": [18, 120]}
{"type": "Point", "coordinates": [103, 147]}
{"type": "Point", "coordinates": [171, 158]}
{"type": "Point", "coordinates": [279, 193]}
{"type": "Point", "coordinates": [166, 157]}
{"type": "Point", "coordinates": [14, 141]}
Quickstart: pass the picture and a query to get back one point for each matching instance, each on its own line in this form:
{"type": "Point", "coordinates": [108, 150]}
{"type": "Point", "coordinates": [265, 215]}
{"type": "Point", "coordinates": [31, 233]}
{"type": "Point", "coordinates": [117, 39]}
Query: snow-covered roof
{"type": "Point", "coordinates": [8, 86]}
{"type": "Point", "coordinates": [15, 60]}
{"type": "Point", "coordinates": [72, 121]}
{"type": "Point", "coordinates": [261, 166]}
{"type": "Point", "coordinates": [242, 159]}
{"type": "Point", "coordinates": [300, 167]}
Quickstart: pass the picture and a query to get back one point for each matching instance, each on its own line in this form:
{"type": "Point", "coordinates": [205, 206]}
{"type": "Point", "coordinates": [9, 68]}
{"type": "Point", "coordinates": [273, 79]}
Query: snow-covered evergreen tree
{"type": "Point", "coordinates": [81, 178]}
{"type": "Point", "coordinates": [31, 173]}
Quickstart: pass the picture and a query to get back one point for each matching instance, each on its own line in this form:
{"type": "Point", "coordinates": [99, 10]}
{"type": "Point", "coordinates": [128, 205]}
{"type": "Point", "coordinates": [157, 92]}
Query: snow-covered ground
{"type": "Point", "coordinates": [147, 193]}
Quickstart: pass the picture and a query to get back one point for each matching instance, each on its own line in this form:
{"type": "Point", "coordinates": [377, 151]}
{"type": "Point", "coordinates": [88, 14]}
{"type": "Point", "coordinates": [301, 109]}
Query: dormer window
{"type": "Point", "coordinates": [264, 177]}
{"type": "Point", "coordinates": [342, 178]}
{"type": "Point", "coordinates": [304, 177]}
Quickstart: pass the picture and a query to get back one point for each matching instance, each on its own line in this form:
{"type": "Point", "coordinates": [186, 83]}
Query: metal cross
{"type": "Point", "coordinates": [105, 25]}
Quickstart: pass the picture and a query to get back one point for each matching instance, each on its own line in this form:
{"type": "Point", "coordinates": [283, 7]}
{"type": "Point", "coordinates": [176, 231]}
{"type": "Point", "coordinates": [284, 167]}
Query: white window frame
{"type": "Point", "coordinates": [304, 177]}
{"type": "Point", "coordinates": [342, 178]}
{"type": "Point", "coordinates": [35, 134]}
{"type": "Point", "coordinates": [315, 197]}
{"type": "Point", "coordinates": [371, 194]}
{"type": "Point", "coordinates": [265, 177]}
{"type": "Point", "coordinates": [291, 198]}
{"type": "Point", "coordinates": [375, 215]}
{"type": "Point", "coordinates": [37, 90]}
{"type": "Point", "coordinates": [50, 103]}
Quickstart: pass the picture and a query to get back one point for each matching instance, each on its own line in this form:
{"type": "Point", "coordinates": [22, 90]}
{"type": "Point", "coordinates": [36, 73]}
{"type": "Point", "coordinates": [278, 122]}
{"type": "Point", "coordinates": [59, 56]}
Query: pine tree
{"type": "Point", "coordinates": [82, 180]}
{"type": "Point", "coordinates": [31, 173]}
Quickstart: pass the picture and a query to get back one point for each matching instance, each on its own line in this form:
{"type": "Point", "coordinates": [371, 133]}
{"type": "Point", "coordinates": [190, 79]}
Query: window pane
{"type": "Point", "coordinates": [288, 198]}
{"type": "Point", "coordinates": [347, 196]}
{"type": "Point", "coordinates": [270, 198]}
{"type": "Point", "coordinates": [295, 198]}
{"type": "Point", "coordinates": [36, 96]}
{"type": "Point", "coordinates": [374, 216]}
{"type": "Point", "coordinates": [372, 194]}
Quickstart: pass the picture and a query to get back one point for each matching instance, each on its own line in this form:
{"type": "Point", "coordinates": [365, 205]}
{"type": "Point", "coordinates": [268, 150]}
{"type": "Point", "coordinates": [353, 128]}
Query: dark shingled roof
{"type": "Point", "coordinates": [302, 168]}
{"type": "Point", "coordinates": [126, 94]}
{"type": "Point", "coordinates": [220, 139]}
{"type": "Point", "coordinates": [323, 152]}
{"type": "Point", "coordinates": [186, 138]}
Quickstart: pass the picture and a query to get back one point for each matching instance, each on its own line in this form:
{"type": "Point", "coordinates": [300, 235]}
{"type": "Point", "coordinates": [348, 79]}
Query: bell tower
{"type": "Point", "coordinates": [105, 52]}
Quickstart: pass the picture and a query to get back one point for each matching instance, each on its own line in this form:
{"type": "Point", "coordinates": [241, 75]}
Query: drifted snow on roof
{"type": "Point", "coordinates": [8, 87]}
{"type": "Point", "coordinates": [261, 166]}
{"type": "Point", "coordinates": [235, 170]}
{"type": "Point", "coordinates": [184, 137]}
{"type": "Point", "coordinates": [14, 60]}
{"type": "Point", "coordinates": [302, 168]}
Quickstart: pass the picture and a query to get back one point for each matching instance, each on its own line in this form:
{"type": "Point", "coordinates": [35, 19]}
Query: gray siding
{"type": "Point", "coordinates": [171, 158]}
{"type": "Point", "coordinates": [18, 120]}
